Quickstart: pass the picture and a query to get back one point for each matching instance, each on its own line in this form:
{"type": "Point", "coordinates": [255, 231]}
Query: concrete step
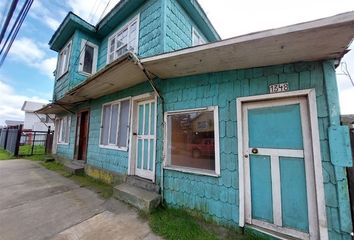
{"type": "Point", "coordinates": [78, 162]}
{"type": "Point", "coordinates": [143, 183]}
{"type": "Point", "coordinates": [74, 168]}
{"type": "Point", "coordinates": [137, 197]}
{"type": "Point", "coordinates": [49, 159]}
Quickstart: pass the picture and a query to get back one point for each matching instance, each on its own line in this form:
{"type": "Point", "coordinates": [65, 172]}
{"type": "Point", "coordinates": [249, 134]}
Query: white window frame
{"type": "Point", "coordinates": [59, 63]}
{"type": "Point", "coordinates": [115, 146]}
{"type": "Point", "coordinates": [197, 38]}
{"type": "Point", "coordinates": [85, 42]}
{"type": "Point", "coordinates": [60, 125]}
{"type": "Point", "coordinates": [198, 171]}
{"type": "Point", "coordinates": [120, 30]}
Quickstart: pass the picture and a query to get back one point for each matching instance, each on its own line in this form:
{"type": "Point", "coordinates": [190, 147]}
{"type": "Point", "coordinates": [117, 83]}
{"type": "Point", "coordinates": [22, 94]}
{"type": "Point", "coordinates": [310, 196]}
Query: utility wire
{"type": "Point", "coordinates": [104, 10]}
{"type": "Point", "coordinates": [23, 16]}
{"type": "Point", "coordinates": [8, 19]}
{"type": "Point", "coordinates": [14, 25]}
{"type": "Point", "coordinates": [84, 45]}
{"type": "Point", "coordinates": [4, 13]}
{"type": "Point", "coordinates": [345, 72]}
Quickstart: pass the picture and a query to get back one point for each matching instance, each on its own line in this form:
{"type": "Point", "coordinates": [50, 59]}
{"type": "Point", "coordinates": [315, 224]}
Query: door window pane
{"type": "Point", "coordinates": [191, 140]}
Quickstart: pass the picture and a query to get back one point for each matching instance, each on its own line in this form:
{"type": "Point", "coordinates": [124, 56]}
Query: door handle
{"type": "Point", "coordinates": [254, 150]}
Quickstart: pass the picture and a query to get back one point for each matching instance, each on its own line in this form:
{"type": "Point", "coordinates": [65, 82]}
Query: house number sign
{"type": "Point", "coordinates": [279, 87]}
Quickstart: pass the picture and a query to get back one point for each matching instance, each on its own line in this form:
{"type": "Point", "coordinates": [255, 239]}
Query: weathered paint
{"type": "Point", "coordinates": [104, 175]}
{"type": "Point", "coordinates": [217, 197]}
{"type": "Point", "coordinates": [335, 133]}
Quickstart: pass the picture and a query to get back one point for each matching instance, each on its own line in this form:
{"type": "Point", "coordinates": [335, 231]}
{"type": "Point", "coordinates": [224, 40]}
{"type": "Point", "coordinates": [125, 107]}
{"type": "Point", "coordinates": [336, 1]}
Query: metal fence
{"type": "Point", "coordinates": [26, 142]}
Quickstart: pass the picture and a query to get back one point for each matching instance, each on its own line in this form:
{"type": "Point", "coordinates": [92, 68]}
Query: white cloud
{"type": "Point", "coordinates": [233, 18]}
{"type": "Point", "coordinates": [11, 103]}
{"type": "Point", "coordinates": [91, 10]}
{"type": "Point", "coordinates": [44, 15]}
{"type": "Point", "coordinates": [33, 54]}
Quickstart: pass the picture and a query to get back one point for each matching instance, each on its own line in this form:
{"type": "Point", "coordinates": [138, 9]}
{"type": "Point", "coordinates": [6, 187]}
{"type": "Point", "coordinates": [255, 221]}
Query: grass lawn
{"type": "Point", "coordinates": [174, 224]}
{"type": "Point", "coordinates": [27, 150]}
{"type": "Point", "coordinates": [4, 155]}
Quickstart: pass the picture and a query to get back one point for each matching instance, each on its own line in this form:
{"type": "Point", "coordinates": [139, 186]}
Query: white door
{"type": "Point", "coordinates": [279, 167]}
{"type": "Point", "coordinates": [145, 139]}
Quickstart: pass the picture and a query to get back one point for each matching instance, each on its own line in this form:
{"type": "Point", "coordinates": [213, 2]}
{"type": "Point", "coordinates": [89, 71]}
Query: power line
{"type": "Point", "coordinates": [8, 19]}
{"type": "Point", "coordinates": [14, 26]}
{"type": "Point", "coordinates": [22, 18]}
{"type": "Point", "coordinates": [104, 10]}
{"type": "Point", "coordinates": [4, 13]}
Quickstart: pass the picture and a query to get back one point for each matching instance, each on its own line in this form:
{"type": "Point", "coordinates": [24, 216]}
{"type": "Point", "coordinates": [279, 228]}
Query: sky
{"type": "Point", "coordinates": [27, 73]}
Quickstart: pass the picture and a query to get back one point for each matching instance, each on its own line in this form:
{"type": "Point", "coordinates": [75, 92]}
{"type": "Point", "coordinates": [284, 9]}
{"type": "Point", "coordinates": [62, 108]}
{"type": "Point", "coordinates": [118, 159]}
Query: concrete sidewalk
{"type": "Point", "coordinates": [36, 203]}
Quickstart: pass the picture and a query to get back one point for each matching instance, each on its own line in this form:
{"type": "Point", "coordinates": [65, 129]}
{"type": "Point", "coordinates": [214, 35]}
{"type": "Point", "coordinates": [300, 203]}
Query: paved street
{"type": "Point", "coordinates": [36, 203]}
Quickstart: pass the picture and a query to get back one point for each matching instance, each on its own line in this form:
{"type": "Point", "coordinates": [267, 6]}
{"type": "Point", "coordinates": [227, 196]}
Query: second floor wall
{"type": "Point", "coordinates": [154, 27]}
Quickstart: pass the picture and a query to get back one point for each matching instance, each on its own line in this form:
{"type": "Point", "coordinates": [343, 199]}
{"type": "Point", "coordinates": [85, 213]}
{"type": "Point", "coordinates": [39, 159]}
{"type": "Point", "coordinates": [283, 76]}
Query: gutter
{"type": "Point", "coordinates": [133, 57]}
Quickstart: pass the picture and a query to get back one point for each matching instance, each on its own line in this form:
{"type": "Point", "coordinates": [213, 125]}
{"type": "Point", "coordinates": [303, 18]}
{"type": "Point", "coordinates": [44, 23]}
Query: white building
{"type": "Point", "coordinates": [36, 122]}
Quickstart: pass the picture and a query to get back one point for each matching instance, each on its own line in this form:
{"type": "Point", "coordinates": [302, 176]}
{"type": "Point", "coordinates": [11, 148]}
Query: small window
{"type": "Point", "coordinates": [63, 60]}
{"type": "Point", "coordinates": [126, 39]}
{"type": "Point", "coordinates": [88, 57]}
{"type": "Point", "coordinates": [64, 130]}
{"type": "Point", "coordinates": [192, 140]}
{"type": "Point", "coordinates": [115, 124]}
{"type": "Point", "coordinates": [196, 38]}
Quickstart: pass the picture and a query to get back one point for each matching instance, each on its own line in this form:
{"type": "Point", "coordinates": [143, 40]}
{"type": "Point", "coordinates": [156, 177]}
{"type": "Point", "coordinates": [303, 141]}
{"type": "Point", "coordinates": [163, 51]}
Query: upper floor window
{"type": "Point", "coordinates": [63, 60]}
{"type": "Point", "coordinates": [88, 57]}
{"type": "Point", "coordinates": [124, 40]}
{"type": "Point", "coordinates": [196, 38]}
{"type": "Point", "coordinates": [115, 124]}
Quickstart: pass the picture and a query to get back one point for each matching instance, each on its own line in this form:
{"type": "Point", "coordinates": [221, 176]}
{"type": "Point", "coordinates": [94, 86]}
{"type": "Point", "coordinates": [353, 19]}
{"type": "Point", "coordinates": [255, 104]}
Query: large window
{"type": "Point", "coordinates": [63, 60]}
{"type": "Point", "coordinates": [126, 39]}
{"type": "Point", "coordinates": [64, 130]}
{"type": "Point", "coordinates": [88, 57]}
{"type": "Point", "coordinates": [115, 124]}
{"type": "Point", "coordinates": [192, 140]}
{"type": "Point", "coordinates": [196, 38]}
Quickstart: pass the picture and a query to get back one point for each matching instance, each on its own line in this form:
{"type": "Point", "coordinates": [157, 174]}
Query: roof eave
{"type": "Point", "coordinates": [76, 22]}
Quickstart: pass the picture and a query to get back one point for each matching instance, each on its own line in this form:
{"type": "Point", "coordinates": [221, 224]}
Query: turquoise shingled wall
{"type": "Point", "coordinates": [178, 27]}
{"type": "Point", "coordinates": [217, 198]}
{"type": "Point", "coordinates": [164, 26]}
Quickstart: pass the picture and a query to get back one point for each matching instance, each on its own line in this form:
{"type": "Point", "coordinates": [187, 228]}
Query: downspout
{"type": "Point", "coordinates": [150, 78]}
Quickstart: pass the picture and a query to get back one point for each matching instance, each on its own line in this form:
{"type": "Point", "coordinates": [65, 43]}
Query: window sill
{"type": "Point", "coordinates": [86, 74]}
{"type": "Point", "coordinates": [62, 143]}
{"type": "Point", "coordinates": [61, 76]}
{"type": "Point", "coordinates": [192, 171]}
{"type": "Point", "coordinates": [114, 148]}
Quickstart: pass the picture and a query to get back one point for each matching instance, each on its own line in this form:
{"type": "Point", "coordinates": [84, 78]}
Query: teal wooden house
{"type": "Point", "coordinates": [244, 131]}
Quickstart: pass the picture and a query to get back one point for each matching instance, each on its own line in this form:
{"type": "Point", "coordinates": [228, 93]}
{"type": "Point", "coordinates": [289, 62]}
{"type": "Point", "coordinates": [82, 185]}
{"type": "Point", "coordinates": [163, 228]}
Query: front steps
{"type": "Point", "coordinates": [139, 193]}
{"type": "Point", "coordinates": [76, 167]}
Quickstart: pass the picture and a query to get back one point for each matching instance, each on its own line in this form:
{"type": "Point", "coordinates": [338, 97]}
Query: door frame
{"type": "Point", "coordinates": [77, 133]}
{"type": "Point", "coordinates": [310, 96]}
{"type": "Point", "coordinates": [132, 139]}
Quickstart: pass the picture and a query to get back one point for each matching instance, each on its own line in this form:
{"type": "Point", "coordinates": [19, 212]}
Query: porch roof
{"type": "Point", "coordinates": [322, 39]}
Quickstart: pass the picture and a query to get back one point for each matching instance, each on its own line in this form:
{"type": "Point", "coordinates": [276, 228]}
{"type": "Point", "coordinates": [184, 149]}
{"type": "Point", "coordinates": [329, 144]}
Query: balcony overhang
{"type": "Point", "coordinates": [322, 39]}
